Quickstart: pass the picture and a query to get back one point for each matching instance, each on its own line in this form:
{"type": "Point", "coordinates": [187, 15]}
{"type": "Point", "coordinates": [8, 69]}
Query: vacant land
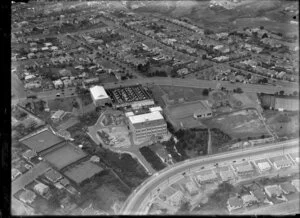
{"type": "Point", "coordinates": [241, 124]}
{"type": "Point", "coordinates": [188, 94]}
{"type": "Point", "coordinates": [283, 123]}
{"type": "Point", "coordinates": [65, 104]}
{"type": "Point", "coordinates": [104, 190]}
{"type": "Point", "coordinates": [64, 156]}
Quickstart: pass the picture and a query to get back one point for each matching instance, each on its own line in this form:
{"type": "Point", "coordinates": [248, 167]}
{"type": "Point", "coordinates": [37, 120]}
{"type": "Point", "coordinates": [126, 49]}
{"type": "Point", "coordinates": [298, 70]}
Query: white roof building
{"type": "Point", "coordinates": [158, 108]}
{"type": "Point", "coordinates": [28, 77]}
{"type": "Point", "coordinates": [128, 114]}
{"type": "Point", "coordinates": [141, 118]}
{"type": "Point", "coordinates": [58, 115]}
{"type": "Point", "coordinates": [41, 188]}
{"type": "Point", "coordinates": [98, 93]}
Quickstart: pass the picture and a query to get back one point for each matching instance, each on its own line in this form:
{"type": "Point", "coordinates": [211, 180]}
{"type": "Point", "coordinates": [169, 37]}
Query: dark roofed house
{"type": "Point", "coordinates": [287, 188]}
{"type": "Point", "coordinates": [53, 175]}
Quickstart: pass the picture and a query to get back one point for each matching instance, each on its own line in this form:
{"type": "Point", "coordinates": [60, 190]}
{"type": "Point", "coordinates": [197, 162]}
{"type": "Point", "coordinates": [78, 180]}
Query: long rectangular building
{"type": "Point", "coordinates": [147, 125]}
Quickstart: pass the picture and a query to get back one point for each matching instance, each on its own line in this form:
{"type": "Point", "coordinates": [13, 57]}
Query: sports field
{"type": "Point", "coordinates": [64, 156]}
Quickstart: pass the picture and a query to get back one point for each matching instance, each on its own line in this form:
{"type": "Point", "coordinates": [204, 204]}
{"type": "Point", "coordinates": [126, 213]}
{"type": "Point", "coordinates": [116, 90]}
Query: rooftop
{"type": "Point", "coordinates": [42, 140]}
{"type": "Point", "coordinates": [156, 115]}
{"type": "Point", "coordinates": [98, 92]}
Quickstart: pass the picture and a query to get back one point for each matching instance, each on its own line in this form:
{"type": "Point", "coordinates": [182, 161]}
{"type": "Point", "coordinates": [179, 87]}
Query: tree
{"type": "Point", "coordinates": [184, 208]}
{"type": "Point", "coordinates": [281, 92]}
{"type": "Point", "coordinates": [205, 92]}
{"type": "Point", "coordinates": [238, 90]}
{"type": "Point", "coordinates": [261, 27]}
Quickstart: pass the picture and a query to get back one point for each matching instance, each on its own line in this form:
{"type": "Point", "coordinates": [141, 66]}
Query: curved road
{"type": "Point", "coordinates": [137, 198]}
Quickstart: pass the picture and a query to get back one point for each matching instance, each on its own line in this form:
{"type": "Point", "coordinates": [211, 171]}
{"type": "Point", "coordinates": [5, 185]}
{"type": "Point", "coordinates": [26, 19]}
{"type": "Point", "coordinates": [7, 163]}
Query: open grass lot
{"type": "Point", "coordinates": [181, 115]}
{"type": "Point", "coordinates": [64, 156]}
{"type": "Point", "coordinates": [241, 124]}
{"type": "Point", "coordinates": [65, 104]}
{"type": "Point", "coordinates": [157, 93]}
{"type": "Point", "coordinates": [283, 123]}
{"type": "Point", "coordinates": [189, 94]}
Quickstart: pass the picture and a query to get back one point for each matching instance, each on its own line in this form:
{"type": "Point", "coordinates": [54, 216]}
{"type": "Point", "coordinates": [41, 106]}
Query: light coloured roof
{"type": "Point", "coordinates": [156, 115]}
{"type": "Point", "coordinates": [263, 165]}
{"type": "Point", "coordinates": [158, 108]}
{"type": "Point", "coordinates": [98, 92]}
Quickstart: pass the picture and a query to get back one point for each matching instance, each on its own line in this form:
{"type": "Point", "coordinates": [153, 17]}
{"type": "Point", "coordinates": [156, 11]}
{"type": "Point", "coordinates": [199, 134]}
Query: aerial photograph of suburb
{"type": "Point", "coordinates": [154, 107]}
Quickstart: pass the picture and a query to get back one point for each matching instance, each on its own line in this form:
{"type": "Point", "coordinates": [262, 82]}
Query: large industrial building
{"type": "Point", "coordinates": [99, 96]}
{"type": "Point", "coordinates": [131, 96]}
{"type": "Point", "coordinates": [147, 125]}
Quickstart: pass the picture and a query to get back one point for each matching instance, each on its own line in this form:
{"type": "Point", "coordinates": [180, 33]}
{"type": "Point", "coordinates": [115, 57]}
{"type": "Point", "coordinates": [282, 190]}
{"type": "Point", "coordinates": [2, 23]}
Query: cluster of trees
{"type": "Point", "coordinates": [152, 158]}
{"type": "Point", "coordinates": [192, 140]}
{"type": "Point", "coordinates": [218, 138]}
{"type": "Point", "coordinates": [218, 199]}
{"type": "Point", "coordinates": [238, 90]}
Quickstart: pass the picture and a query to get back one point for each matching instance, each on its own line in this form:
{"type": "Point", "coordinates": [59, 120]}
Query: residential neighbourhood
{"type": "Point", "coordinates": [154, 107]}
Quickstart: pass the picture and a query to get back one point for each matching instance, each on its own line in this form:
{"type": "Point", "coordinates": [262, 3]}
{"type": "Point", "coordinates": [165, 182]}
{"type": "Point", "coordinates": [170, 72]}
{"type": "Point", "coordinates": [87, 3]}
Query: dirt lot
{"type": "Point", "coordinates": [241, 124]}
{"type": "Point", "coordinates": [283, 123]}
{"type": "Point", "coordinates": [65, 104]}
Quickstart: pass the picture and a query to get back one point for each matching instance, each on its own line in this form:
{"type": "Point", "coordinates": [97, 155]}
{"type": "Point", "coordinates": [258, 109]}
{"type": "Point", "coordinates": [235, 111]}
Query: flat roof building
{"type": "Point", "coordinates": [147, 125]}
{"type": "Point", "coordinates": [234, 203]}
{"type": "Point", "coordinates": [227, 175]}
{"type": "Point", "coordinates": [245, 169]}
{"type": "Point", "coordinates": [282, 163]}
{"type": "Point", "coordinates": [264, 166]}
{"type": "Point", "coordinates": [207, 176]}
{"type": "Point", "coordinates": [99, 96]}
{"type": "Point", "coordinates": [273, 190]}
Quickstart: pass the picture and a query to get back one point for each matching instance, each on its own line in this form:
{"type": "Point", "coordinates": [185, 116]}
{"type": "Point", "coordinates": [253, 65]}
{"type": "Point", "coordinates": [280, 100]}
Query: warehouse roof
{"type": "Point", "coordinates": [98, 92]}
{"type": "Point", "coordinates": [141, 118]}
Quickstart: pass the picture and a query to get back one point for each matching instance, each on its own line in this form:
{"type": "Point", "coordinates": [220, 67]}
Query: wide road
{"type": "Point", "coordinates": [135, 200]}
{"type": "Point", "coordinates": [191, 83]}
{"type": "Point", "coordinates": [194, 83]}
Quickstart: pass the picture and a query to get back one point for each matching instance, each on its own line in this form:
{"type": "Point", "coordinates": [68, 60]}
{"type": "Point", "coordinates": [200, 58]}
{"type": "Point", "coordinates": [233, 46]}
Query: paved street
{"type": "Point", "coordinates": [29, 176]}
{"type": "Point", "coordinates": [135, 200]}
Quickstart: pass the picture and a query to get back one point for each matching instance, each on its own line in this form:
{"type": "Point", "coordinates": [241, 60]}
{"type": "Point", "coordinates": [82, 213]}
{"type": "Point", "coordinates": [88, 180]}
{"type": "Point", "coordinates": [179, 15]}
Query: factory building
{"type": "Point", "coordinates": [147, 125]}
{"type": "Point", "coordinates": [99, 96]}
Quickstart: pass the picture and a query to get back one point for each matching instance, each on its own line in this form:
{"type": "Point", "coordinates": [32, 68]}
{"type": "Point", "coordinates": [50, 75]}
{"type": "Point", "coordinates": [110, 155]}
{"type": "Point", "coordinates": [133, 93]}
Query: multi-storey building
{"type": "Point", "coordinates": [147, 125]}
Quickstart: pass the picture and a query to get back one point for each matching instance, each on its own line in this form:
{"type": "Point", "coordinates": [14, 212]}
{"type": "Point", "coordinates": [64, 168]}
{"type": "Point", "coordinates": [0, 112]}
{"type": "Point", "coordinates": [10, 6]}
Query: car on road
{"type": "Point", "coordinates": [58, 95]}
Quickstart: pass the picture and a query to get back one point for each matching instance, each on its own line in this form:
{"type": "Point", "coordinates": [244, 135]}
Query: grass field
{"type": "Point", "coordinates": [65, 104]}
{"type": "Point", "coordinates": [283, 123]}
{"type": "Point", "coordinates": [241, 124]}
{"type": "Point", "coordinates": [64, 156]}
